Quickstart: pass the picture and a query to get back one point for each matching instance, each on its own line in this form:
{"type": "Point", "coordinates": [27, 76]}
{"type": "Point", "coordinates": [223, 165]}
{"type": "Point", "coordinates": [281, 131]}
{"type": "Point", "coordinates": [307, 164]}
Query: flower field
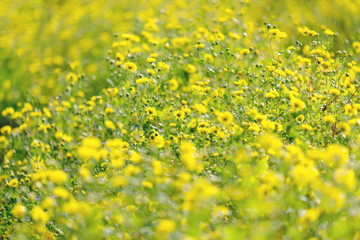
{"type": "Point", "coordinates": [179, 119]}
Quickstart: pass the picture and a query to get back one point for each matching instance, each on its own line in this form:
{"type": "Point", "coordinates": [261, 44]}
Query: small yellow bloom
{"type": "Point", "coordinates": [14, 183]}
{"type": "Point", "coordinates": [173, 84]}
{"type": "Point", "coordinates": [334, 92]}
{"type": "Point", "coordinates": [187, 156]}
{"type": "Point", "coordinates": [8, 111]}
{"type": "Point", "coordinates": [109, 110]}
{"type": "Point", "coordinates": [6, 130]}
{"type": "Point", "coordinates": [163, 66]}
{"type": "Point", "coordinates": [272, 94]}
{"type": "Point", "coordinates": [61, 192]}
{"type": "Point", "coordinates": [110, 125]}
{"type": "Point", "coordinates": [150, 60]}
{"type": "Point", "coordinates": [39, 215]}
{"type": "Point", "coordinates": [297, 105]}
{"type": "Point", "coordinates": [300, 118]}
{"type": "Point", "coordinates": [118, 182]}
{"type": "Point", "coordinates": [306, 127]}
{"type": "Point", "coordinates": [344, 127]}
{"type": "Point", "coordinates": [57, 176]}
{"type": "Point", "coordinates": [225, 118]}
{"type": "Point", "coordinates": [253, 127]}
{"type": "Point", "coordinates": [130, 66]}
{"type": "Point", "coordinates": [190, 68]}
{"type": "Point", "coordinates": [151, 111]}
{"type": "Point", "coordinates": [19, 211]}
{"type": "Point", "coordinates": [310, 215]}
{"type": "Point", "coordinates": [328, 32]}
{"type": "Point", "coordinates": [208, 58]}
{"type": "Point", "coordinates": [244, 52]}
{"type": "Point", "coordinates": [147, 184]}
{"type": "Point", "coordinates": [346, 177]}
{"type": "Point", "coordinates": [329, 119]}
{"type": "Point", "coordinates": [164, 228]}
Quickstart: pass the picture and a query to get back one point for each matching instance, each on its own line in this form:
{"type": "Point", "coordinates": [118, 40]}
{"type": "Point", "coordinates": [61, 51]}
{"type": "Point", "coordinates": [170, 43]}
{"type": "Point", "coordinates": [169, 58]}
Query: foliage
{"type": "Point", "coordinates": [198, 120]}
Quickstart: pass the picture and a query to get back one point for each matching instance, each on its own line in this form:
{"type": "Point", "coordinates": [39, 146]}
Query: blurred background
{"type": "Point", "coordinates": [42, 41]}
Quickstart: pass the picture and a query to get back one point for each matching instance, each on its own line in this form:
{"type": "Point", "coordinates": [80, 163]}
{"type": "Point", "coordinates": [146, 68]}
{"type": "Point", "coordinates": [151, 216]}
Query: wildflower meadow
{"type": "Point", "coordinates": [191, 120]}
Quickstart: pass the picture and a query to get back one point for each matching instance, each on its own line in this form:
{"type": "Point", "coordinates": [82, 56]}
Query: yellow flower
{"type": "Point", "coordinates": [19, 211]}
{"type": "Point", "coordinates": [305, 174]}
{"type": "Point", "coordinates": [48, 202]}
{"type": "Point", "coordinates": [110, 125]}
{"type": "Point", "coordinates": [135, 157]}
{"type": "Point", "coordinates": [150, 71]}
{"type": "Point", "coordinates": [164, 228]}
{"type": "Point", "coordinates": [190, 68]}
{"type": "Point", "coordinates": [131, 170]}
{"type": "Point", "coordinates": [119, 57]}
{"type": "Point", "coordinates": [336, 154]}
{"type": "Point", "coordinates": [208, 58]}
{"type": "Point", "coordinates": [309, 216]}
{"type": "Point", "coordinates": [270, 68]}
{"type": "Point", "coordinates": [253, 127]}
{"type": "Point", "coordinates": [150, 60]}
{"type": "Point", "coordinates": [57, 176]}
{"type": "Point", "coordinates": [199, 45]}
{"type": "Point", "coordinates": [306, 127]}
{"type": "Point", "coordinates": [109, 110]}
{"type": "Point", "coordinates": [245, 51]}
{"type": "Point", "coordinates": [61, 192]}
{"type": "Point", "coordinates": [39, 215]}
{"type": "Point", "coordinates": [300, 118]}
{"type": "Point", "coordinates": [118, 182]}
{"type": "Point", "coordinates": [344, 127]}
{"type": "Point", "coordinates": [151, 111]}
{"type": "Point", "coordinates": [187, 156]}
{"type": "Point", "coordinates": [297, 105]}
{"type": "Point", "coordinates": [225, 118]}
{"type": "Point", "coordinates": [192, 123]}
{"type": "Point", "coordinates": [307, 32]}
{"type": "Point", "coordinates": [270, 143]}
{"type": "Point", "coordinates": [329, 119]}
{"type": "Point", "coordinates": [130, 66]}
{"type": "Point", "coordinates": [157, 167]}
{"type": "Point", "coordinates": [356, 46]}
{"type": "Point", "coordinates": [328, 32]}
{"type": "Point", "coordinates": [277, 34]}
{"type": "Point", "coordinates": [334, 92]}
{"type": "Point", "coordinates": [6, 130]}
{"type": "Point", "coordinates": [163, 66]}
{"type": "Point", "coordinates": [14, 183]}
{"type": "Point", "coordinates": [8, 111]}
{"type": "Point", "coordinates": [142, 80]}
{"type": "Point", "coordinates": [85, 174]}
{"type": "Point", "coordinates": [73, 207]}
{"type": "Point", "coordinates": [157, 140]}
{"type": "Point", "coordinates": [90, 149]}
{"type": "Point", "coordinates": [147, 184]}
{"type": "Point", "coordinates": [280, 72]}
{"type": "Point", "coordinates": [179, 115]}
{"type": "Point", "coordinates": [272, 94]}
{"type": "Point", "coordinates": [346, 177]}
{"type": "Point", "coordinates": [200, 108]}
{"type": "Point", "coordinates": [173, 84]}
{"type": "Point", "coordinates": [47, 112]}
{"type": "Point", "coordinates": [91, 142]}
{"type": "Point", "coordinates": [71, 77]}
{"type": "Point", "coordinates": [174, 139]}
{"type": "Point", "coordinates": [27, 108]}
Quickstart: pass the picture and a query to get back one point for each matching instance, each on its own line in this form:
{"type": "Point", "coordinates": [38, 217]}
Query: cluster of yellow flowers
{"type": "Point", "coordinates": [205, 123]}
